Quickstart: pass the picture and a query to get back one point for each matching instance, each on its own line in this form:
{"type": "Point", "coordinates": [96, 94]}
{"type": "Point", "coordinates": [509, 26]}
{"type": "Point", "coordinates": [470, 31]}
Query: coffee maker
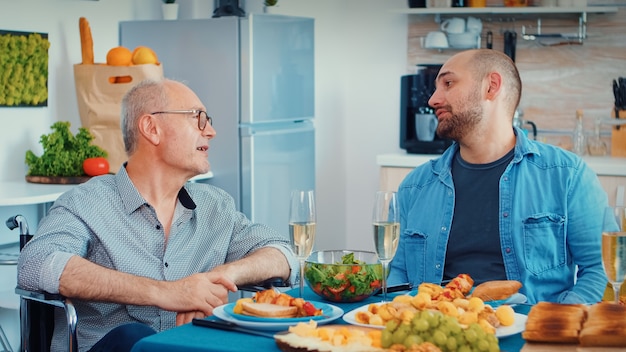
{"type": "Point", "coordinates": [416, 89]}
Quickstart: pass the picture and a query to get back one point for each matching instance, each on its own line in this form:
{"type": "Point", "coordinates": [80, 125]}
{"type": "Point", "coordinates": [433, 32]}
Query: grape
{"type": "Point", "coordinates": [483, 345]}
{"type": "Point", "coordinates": [401, 333]}
{"type": "Point", "coordinates": [451, 343]}
{"type": "Point", "coordinates": [420, 324]}
{"type": "Point", "coordinates": [392, 325]}
{"type": "Point", "coordinates": [471, 336]}
{"type": "Point", "coordinates": [464, 348]}
{"type": "Point", "coordinates": [386, 338]}
{"type": "Point", "coordinates": [413, 340]}
{"type": "Point", "coordinates": [440, 338]}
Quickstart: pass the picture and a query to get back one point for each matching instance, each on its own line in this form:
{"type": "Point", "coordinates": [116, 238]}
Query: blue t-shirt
{"type": "Point", "coordinates": [474, 245]}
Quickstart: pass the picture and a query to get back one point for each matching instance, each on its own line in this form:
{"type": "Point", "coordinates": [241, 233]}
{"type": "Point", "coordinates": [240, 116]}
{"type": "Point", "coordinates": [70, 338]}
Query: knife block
{"type": "Point", "coordinates": [618, 135]}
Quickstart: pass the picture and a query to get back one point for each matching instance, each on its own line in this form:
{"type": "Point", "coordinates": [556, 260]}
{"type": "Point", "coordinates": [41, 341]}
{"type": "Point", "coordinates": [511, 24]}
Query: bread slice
{"type": "Point", "coordinates": [600, 336]}
{"type": "Point", "coordinates": [605, 326]}
{"type": "Point", "coordinates": [268, 310]}
{"type": "Point", "coordinates": [552, 336]}
{"type": "Point", "coordinates": [565, 314]}
{"type": "Point", "coordinates": [554, 322]}
{"type": "Point", "coordinates": [496, 290]}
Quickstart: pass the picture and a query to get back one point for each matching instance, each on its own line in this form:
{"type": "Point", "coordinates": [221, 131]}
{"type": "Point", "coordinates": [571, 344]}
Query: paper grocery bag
{"type": "Point", "coordinates": [99, 92]}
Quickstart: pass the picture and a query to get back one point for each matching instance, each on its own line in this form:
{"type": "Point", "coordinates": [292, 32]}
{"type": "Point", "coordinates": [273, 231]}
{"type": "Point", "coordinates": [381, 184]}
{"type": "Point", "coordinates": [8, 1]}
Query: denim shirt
{"type": "Point", "coordinates": [551, 206]}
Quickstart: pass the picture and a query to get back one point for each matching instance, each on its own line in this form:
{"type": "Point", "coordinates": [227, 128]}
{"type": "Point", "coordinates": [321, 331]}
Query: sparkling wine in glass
{"type": "Point", "coordinates": [302, 227]}
{"type": "Point", "coordinates": [386, 221]}
{"type": "Point", "coordinates": [614, 247]}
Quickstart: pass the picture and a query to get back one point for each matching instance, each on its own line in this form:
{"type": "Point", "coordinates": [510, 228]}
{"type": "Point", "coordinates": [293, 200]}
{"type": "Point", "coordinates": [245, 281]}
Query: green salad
{"type": "Point", "coordinates": [350, 280]}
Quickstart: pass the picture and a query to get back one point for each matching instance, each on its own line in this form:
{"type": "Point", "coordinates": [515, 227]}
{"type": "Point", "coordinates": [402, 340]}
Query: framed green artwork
{"type": "Point", "coordinates": [23, 69]}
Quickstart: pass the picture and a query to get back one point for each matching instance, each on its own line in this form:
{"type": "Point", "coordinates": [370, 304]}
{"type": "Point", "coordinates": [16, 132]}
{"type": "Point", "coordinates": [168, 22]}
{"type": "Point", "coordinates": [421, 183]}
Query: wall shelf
{"type": "Point", "coordinates": [530, 10]}
{"type": "Point", "coordinates": [535, 11]}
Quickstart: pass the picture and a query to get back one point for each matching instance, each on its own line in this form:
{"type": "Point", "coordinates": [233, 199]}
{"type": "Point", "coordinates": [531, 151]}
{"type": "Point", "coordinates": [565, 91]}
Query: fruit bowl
{"type": "Point", "coordinates": [343, 275]}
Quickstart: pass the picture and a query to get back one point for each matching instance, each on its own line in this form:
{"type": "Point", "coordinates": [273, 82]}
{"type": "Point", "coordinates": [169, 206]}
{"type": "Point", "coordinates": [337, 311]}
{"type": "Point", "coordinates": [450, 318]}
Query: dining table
{"type": "Point", "coordinates": [195, 338]}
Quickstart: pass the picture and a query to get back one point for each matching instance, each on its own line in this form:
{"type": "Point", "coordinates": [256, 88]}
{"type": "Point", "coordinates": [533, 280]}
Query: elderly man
{"type": "Point", "coordinates": [144, 250]}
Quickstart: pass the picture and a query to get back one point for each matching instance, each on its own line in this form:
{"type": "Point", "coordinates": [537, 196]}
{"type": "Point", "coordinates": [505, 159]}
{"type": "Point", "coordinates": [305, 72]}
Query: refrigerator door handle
{"type": "Point", "coordinates": [257, 130]}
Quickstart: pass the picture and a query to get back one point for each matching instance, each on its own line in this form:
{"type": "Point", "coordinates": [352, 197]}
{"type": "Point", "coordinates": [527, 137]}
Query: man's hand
{"type": "Point", "coordinates": [187, 317]}
{"type": "Point", "coordinates": [195, 295]}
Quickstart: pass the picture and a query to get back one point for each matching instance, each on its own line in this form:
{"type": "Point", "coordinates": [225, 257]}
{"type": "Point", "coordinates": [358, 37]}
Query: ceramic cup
{"type": "Point", "coordinates": [436, 40]}
{"type": "Point", "coordinates": [425, 126]}
{"type": "Point", "coordinates": [465, 40]}
{"type": "Point", "coordinates": [474, 25]}
{"type": "Point", "coordinates": [453, 25]}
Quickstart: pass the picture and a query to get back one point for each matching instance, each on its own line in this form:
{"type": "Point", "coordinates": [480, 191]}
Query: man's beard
{"type": "Point", "coordinates": [459, 124]}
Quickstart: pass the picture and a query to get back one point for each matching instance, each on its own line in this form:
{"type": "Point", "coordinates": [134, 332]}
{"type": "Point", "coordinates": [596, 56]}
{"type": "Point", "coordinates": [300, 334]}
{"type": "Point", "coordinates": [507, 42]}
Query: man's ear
{"type": "Point", "coordinates": [149, 128]}
{"type": "Point", "coordinates": [494, 85]}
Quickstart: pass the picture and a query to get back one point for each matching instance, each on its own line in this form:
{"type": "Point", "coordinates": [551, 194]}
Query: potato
{"type": "Point", "coordinates": [506, 315]}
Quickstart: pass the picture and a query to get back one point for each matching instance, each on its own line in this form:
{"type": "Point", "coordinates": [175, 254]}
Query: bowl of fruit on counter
{"type": "Point", "coordinates": [343, 275]}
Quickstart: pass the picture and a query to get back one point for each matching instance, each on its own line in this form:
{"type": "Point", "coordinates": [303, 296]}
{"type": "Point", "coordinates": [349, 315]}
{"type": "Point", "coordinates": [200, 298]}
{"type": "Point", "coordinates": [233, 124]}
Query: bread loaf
{"type": "Point", "coordinates": [496, 290]}
{"type": "Point", "coordinates": [86, 41]}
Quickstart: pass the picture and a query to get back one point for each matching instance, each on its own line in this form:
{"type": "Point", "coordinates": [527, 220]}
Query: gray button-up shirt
{"type": "Point", "coordinates": [108, 222]}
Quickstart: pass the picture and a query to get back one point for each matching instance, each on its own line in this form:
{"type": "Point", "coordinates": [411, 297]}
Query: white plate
{"type": "Point", "coordinates": [350, 317]}
{"type": "Point", "coordinates": [518, 326]}
{"type": "Point", "coordinates": [219, 312]}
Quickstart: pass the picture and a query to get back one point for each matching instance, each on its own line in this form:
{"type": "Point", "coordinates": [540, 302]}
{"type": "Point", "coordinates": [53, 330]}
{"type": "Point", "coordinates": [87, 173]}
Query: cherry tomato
{"type": "Point", "coordinates": [309, 309]}
{"type": "Point", "coordinates": [339, 289]}
{"type": "Point", "coordinates": [96, 166]}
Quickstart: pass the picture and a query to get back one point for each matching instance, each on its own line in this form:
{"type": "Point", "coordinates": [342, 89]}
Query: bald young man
{"type": "Point", "coordinates": [497, 205]}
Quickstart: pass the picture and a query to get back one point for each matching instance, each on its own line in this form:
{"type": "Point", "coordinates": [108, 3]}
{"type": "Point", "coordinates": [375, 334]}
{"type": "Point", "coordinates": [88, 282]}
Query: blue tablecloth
{"type": "Point", "coordinates": [191, 338]}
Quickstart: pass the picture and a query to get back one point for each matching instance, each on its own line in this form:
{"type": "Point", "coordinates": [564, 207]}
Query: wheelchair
{"type": "Point", "coordinates": [37, 307]}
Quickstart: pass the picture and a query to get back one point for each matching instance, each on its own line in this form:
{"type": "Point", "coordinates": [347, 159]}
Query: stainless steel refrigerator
{"type": "Point", "coordinates": [255, 75]}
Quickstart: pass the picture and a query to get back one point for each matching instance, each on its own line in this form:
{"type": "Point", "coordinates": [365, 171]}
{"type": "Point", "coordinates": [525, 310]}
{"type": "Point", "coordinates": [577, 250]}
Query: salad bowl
{"type": "Point", "coordinates": [343, 275]}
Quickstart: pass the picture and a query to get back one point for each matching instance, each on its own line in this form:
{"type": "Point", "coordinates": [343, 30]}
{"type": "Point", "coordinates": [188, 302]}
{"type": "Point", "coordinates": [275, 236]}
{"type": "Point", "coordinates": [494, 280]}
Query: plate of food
{"type": "Point", "coordinates": [273, 324]}
{"type": "Point", "coordinates": [358, 317]}
{"type": "Point", "coordinates": [353, 317]}
{"type": "Point", "coordinates": [273, 313]}
{"type": "Point", "coordinates": [331, 337]}
{"type": "Point", "coordinates": [518, 326]}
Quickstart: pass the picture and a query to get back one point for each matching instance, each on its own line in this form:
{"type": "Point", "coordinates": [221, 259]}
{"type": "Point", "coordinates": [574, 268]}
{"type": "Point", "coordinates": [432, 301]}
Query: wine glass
{"type": "Point", "coordinates": [614, 247]}
{"type": "Point", "coordinates": [302, 227]}
{"type": "Point", "coordinates": [386, 221]}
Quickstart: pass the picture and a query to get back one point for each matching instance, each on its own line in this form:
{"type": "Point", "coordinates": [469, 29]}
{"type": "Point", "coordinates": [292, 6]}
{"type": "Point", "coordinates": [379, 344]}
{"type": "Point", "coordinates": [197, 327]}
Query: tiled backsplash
{"type": "Point", "coordinates": [558, 79]}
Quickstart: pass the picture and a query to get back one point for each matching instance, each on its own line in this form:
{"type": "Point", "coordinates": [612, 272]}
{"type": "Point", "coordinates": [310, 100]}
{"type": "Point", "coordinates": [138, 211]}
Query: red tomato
{"type": "Point", "coordinates": [338, 289]}
{"type": "Point", "coordinates": [309, 309]}
{"type": "Point", "coordinates": [96, 166]}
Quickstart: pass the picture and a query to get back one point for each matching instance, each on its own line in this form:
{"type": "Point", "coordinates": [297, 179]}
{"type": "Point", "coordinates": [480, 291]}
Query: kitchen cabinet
{"type": "Point", "coordinates": [394, 167]}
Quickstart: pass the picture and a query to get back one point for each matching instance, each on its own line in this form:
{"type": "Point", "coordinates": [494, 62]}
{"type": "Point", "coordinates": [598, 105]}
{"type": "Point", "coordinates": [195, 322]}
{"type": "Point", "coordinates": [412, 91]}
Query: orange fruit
{"type": "Point", "coordinates": [119, 56]}
{"type": "Point", "coordinates": [144, 55]}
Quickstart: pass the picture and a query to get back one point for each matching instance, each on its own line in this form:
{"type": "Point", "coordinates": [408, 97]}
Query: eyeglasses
{"type": "Point", "coordinates": [202, 116]}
